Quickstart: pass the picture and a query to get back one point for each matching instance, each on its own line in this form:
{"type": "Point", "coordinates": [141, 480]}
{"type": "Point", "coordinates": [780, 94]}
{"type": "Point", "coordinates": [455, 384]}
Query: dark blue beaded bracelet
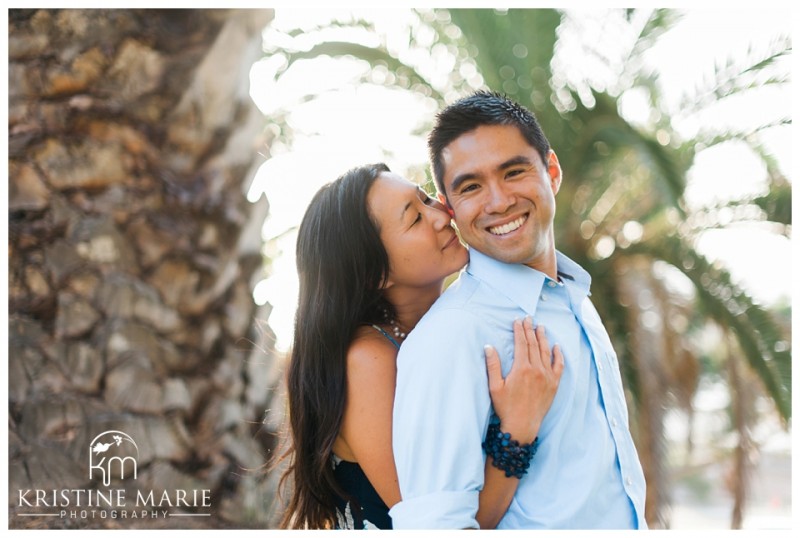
{"type": "Point", "coordinates": [506, 453]}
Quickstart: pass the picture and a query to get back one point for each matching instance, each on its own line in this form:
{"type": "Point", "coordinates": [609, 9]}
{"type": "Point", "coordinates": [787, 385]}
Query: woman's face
{"type": "Point", "coordinates": [415, 229]}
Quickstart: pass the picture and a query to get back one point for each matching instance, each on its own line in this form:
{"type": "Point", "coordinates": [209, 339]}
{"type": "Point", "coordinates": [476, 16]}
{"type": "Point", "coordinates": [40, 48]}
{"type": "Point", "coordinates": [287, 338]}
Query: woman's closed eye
{"type": "Point", "coordinates": [428, 201]}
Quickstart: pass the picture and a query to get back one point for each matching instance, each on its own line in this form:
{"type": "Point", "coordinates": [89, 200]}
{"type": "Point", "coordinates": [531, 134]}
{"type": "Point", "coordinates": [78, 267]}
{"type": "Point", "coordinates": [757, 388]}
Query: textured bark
{"type": "Point", "coordinates": [133, 252]}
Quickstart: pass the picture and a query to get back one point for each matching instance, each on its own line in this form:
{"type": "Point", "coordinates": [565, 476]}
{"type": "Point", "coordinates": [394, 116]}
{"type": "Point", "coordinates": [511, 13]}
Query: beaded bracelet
{"type": "Point", "coordinates": [508, 454]}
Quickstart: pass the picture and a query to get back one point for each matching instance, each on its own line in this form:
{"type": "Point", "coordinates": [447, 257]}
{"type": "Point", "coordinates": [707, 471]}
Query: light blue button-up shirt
{"type": "Point", "coordinates": [586, 473]}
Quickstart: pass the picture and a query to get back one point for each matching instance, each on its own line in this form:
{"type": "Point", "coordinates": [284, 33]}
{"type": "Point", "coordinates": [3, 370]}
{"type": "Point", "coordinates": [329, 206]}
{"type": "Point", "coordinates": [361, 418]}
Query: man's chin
{"type": "Point", "coordinates": [503, 255]}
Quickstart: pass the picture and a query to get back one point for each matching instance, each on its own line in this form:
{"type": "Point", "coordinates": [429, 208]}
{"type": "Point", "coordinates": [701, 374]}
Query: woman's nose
{"type": "Point", "coordinates": [439, 215]}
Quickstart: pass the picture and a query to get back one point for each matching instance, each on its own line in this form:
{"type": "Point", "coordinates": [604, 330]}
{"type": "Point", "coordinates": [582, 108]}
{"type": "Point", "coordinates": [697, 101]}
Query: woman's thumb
{"type": "Point", "coordinates": [493, 368]}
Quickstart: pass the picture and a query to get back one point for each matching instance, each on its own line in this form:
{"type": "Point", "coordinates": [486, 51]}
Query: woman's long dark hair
{"type": "Point", "coordinates": [342, 264]}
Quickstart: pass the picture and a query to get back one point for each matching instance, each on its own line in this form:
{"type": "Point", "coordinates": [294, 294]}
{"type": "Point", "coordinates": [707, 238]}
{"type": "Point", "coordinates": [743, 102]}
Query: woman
{"type": "Point", "coordinates": [373, 252]}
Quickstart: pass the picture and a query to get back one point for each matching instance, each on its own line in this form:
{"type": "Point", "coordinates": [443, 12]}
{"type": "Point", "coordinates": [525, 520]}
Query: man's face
{"type": "Point", "coordinates": [502, 194]}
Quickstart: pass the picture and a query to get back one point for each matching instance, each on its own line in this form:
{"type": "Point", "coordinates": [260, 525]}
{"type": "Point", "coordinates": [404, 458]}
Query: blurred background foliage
{"type": "Point", "coordinates": [679, 321]}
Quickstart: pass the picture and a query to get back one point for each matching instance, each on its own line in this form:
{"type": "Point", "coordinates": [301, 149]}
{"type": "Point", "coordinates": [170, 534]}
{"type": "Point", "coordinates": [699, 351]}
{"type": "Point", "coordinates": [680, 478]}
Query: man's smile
{"type": "Point", "coordinates": [508, 227]}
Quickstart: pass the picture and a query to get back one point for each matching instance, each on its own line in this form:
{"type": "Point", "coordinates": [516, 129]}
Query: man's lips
{"type": "Point", "coordinates": [508, 227]}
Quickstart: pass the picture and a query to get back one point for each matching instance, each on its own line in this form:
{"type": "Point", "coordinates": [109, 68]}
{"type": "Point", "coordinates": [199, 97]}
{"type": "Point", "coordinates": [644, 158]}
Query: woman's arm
{"type": "Point", "coordinates": [367, 423]}
{"type": "Point", "coordinates": [521, 400]}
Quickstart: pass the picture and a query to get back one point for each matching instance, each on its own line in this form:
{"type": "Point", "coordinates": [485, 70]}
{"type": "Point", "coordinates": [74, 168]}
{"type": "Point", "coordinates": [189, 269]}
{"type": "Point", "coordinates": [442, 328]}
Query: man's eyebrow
{"type": "Point", "coordinates": [514, 161]}
{"type": "Point", "coordinates": [461, 178]}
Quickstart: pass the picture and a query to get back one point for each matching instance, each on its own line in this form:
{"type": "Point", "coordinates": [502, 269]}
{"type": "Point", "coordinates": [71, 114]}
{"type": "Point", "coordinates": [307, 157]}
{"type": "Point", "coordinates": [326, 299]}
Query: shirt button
{"type": "Point", "coordinates": [551, 283]}
{"type": "Point", "coordinates": [600, 366]}
{"type": "Point", "coordinates": [544, 297]}
{"type": "Point", "coordinates": [614, 422]}
{"type": "Point", "coordinates": [628, 481]}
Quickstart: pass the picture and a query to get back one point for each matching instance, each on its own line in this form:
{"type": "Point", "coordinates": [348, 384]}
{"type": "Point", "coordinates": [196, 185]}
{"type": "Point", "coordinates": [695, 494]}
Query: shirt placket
{"type": "Point", "coordinates": [607, 371]}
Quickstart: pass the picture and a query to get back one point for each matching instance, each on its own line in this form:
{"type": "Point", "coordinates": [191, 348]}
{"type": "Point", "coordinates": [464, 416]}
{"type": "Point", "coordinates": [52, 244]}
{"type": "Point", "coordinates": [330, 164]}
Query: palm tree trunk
{"type": "Point", "coordinates": [132, 254]}
{"type": "Point", "coordinates": [741, 402]}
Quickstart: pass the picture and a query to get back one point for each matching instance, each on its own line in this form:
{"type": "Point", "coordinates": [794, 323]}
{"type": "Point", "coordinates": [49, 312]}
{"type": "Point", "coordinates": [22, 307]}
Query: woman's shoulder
{"type": "Point", "coordinates": [371, 349]}
{"type": "Point", "coordinates": [369, 335]}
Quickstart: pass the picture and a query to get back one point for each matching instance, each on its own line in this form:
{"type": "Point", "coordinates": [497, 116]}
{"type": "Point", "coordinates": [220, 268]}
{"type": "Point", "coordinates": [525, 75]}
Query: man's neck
{"type": "Point", "coordinates": [547, 265]}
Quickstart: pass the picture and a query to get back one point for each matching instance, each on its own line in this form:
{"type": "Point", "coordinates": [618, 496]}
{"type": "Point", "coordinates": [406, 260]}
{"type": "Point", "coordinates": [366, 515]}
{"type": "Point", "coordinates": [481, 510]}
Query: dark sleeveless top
{"type": "Point", "coordinates": [362, 508]}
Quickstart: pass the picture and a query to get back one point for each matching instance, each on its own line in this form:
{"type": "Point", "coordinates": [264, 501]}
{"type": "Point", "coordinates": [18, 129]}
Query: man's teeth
{"type": "Point", "coordinates": [506, 228]}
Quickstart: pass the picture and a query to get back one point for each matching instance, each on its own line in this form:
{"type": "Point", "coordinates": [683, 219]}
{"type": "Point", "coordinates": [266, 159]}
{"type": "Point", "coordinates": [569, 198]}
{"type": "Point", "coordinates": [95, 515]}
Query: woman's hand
{"type": "Point", "coordinates": [522, 399]}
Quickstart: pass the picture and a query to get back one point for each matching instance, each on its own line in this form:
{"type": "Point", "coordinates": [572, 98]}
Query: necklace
{"type": "Point", "coordinates": [398, 333]}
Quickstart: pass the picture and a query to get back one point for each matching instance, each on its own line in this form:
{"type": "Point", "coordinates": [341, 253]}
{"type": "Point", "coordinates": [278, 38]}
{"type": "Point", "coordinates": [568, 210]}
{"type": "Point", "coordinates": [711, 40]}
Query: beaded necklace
{"type": "Point", "coordinates": [396, 331]}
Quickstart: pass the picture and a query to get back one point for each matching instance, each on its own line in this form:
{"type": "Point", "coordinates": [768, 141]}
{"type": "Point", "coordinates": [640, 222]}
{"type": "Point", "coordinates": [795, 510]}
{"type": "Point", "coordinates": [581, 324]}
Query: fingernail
{"type": "Point", "coordinates": [487, 347]}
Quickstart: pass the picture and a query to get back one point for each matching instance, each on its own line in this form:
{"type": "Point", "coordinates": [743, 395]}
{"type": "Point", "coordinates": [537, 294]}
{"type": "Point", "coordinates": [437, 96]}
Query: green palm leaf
{"type": "Point", "coordinates": [760, 338]}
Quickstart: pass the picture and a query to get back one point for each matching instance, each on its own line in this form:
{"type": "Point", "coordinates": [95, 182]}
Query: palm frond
{"type": "Point", "coordinates": [709, 137]}
{"type": "Point", "coordinates": [604, 124]}
{"type": "Point", "coordinates": [406, 75]}
{"type": "Point", "coordinates": [513, 50]}
{"type": "Point", "coordinates": [759, 336]}
{"type": "Point", "coordinates": [736, 77]}
{"type": "Point", "coordinates": [773, 210]}
{"type": "Point", "coordinates": [658, 23]}
{"type": "Point", "coordinates": [777, 203]}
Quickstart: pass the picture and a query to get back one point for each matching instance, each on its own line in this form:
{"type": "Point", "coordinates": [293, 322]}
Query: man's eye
{"type": "Point", "coordinates": [416, 220]}
{"type": "Point", "coordinates": [469, 188]}
{"type": "Point", "coordinates": [515, 172]}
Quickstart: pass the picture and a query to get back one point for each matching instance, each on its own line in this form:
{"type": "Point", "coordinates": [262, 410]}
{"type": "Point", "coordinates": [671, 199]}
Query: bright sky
{"type": "Point", "coordinates": [351, 125]}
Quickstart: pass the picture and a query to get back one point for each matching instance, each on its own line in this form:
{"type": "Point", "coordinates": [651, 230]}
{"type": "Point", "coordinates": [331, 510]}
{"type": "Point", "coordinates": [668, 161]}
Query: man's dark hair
{"type": "Point", "coordinates": [469, 113]}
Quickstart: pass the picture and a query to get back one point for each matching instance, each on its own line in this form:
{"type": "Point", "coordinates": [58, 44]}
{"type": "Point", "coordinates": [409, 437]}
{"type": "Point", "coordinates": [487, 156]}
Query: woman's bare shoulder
{"type": "Point", "coordinates": [371, 350]}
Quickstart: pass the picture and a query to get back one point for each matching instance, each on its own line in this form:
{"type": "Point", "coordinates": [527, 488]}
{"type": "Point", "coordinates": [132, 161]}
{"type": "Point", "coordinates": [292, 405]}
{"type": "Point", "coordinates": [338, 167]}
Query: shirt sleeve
{"type": "Point", "coordinates": [441, 412]}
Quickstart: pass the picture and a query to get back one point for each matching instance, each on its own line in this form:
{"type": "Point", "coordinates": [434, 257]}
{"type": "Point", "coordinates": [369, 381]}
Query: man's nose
{"type": "Point", "coordinates": [499, 199]}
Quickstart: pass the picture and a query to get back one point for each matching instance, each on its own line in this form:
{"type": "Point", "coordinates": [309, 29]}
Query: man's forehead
{"type": "Point", "coordinates": [466, 155]}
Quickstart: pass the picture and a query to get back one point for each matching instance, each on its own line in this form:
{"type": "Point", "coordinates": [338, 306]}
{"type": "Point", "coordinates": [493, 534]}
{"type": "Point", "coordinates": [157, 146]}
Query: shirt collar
{"type": "Point", "coordinates": [523, 285]}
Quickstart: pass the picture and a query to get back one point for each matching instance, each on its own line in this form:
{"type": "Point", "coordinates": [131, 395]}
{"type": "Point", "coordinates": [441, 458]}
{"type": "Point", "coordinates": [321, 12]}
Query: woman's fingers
{"type": "Point", "coordinates": [493, 369]}
{"type": "Point", "coordinates": [524, 396]}
{"type": "Point", "coordinates": [532, 340]}
{"type": "Point", "coordinates": [544, 347]}
{"type": "Point", "coordinates": [531, 348]}
{"type": "Point", "coordinates": [538, 347]}
{"type": "Point", "coordinates": [521, 344]}
{"type": "Point", "coordinates": [558, 361]}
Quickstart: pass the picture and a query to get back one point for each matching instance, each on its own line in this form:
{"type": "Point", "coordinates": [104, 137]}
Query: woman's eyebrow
{"type": "Point", "coordinates": [405, 208]}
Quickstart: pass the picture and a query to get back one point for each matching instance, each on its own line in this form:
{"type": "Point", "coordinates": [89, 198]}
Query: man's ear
{"type": "Point", "coordinates": [446, 204]}
{"type": "Point", "coordinates": [554, 171]}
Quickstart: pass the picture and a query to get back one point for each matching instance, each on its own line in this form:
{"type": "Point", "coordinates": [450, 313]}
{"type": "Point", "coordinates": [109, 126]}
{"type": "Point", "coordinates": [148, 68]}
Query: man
{"type": "Point", "coordinates": [495, 171]}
